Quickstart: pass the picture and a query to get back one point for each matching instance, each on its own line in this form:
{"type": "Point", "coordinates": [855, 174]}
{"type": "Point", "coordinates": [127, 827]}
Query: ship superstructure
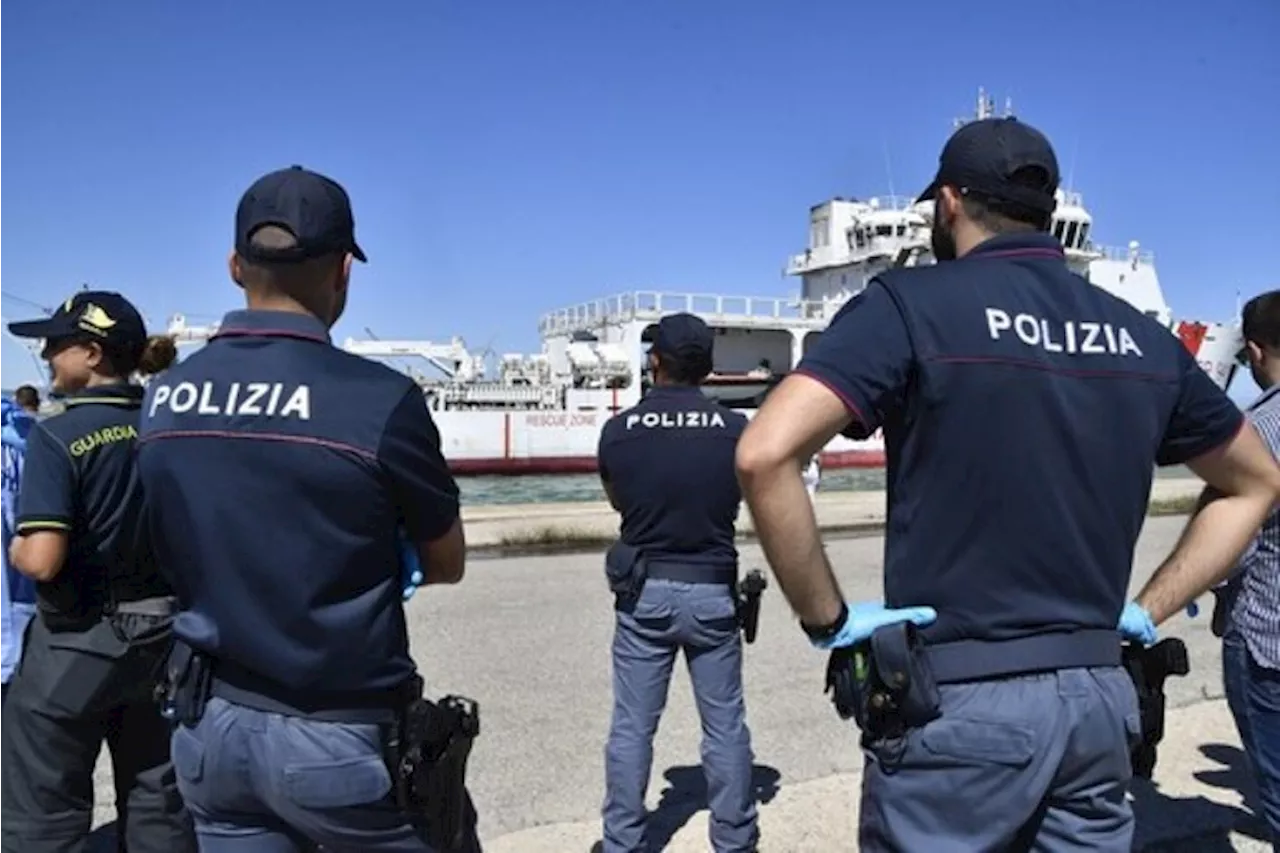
{"type": "Point", "coordinates": [542, 413]}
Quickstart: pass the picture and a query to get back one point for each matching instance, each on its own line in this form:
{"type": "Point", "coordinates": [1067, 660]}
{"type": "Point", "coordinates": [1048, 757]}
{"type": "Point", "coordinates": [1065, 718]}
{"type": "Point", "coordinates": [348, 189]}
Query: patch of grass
{"type": "Point", "coordinates": [1173, 506]}
{"type": "Point", "coordinates": [552, 536]}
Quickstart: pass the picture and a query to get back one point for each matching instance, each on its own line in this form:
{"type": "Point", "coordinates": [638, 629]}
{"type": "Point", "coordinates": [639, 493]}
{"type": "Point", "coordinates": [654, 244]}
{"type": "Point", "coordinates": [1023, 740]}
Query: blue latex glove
{"type": "Point", "coordinates": [1135, 624]}
{"type": "Point", "coordinates": [410, 567]}
{"type": "Point", "coordinates": [866, 617]}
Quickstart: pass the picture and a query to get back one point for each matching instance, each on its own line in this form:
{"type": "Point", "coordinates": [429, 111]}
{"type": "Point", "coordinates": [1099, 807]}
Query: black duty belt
{"type": "Point", "coordinates": [889, 682]}
{"type": "Point", "coordinates": [242, 687]}
{"type": "Point", "coordinates": [976, 660]}
{"type": "Point", "coordinates": [692, 572]}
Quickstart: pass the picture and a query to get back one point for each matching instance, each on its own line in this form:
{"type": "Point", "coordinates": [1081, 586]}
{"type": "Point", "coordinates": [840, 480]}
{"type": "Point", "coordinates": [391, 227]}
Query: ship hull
{"type": "Point", "coordinates": [525, 442]}
{"type": "Point", "coordinates": [830, 460]}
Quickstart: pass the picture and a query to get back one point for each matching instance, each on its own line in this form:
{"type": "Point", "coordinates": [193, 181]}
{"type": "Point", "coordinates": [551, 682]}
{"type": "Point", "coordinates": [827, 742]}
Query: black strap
{"type": "Point", "coordinates": [975, 660]}
{"type": "Point", "coordinates": [692, 573]}
{"type": "Point", "coordinates": [240, 686]}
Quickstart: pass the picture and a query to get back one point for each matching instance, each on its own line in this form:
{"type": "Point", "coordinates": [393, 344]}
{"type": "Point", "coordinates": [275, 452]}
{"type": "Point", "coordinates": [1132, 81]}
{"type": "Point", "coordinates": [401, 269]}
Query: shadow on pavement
{"type": "Point", "coordinates": [1234, 775]}
{"type": "Point", "coordinates": [1166, 823]}
{"type": "Point", "coordinates": [686, 795]}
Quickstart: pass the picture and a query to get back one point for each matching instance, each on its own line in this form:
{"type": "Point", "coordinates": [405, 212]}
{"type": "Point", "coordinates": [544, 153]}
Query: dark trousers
{"type": "Point", "coordinates": [1253, 694]}
{"type": "Point", "coordinates": [72, 692]}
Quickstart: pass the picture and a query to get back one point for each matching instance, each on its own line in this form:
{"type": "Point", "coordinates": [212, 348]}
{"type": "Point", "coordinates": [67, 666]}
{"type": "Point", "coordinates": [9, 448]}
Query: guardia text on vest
{"type": "Point", "coordinates": [676, 420]}
{"type": "Point", "coordinates": [249, 399]}
{"type": "Point", "coordinates": [1069, 336]}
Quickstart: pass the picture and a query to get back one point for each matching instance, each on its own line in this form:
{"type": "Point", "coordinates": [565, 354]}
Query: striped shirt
{"type": "Point", "coordinates": [17, 593]}
{"type": "Point", "coordinates": [1255, 590]}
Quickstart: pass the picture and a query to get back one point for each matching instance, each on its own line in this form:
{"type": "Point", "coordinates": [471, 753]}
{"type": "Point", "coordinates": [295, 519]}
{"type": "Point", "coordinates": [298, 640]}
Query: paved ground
{"type": "Point", "coordinates": [528, 638]}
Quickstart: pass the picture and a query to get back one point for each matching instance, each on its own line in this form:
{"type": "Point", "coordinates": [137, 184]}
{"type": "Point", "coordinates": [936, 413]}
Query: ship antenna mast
{"type": "Point", "coordinates": [986, 109]}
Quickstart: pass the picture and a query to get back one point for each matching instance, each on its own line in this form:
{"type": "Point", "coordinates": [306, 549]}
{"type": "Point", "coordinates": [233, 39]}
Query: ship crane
{"type": "Point", "coordinates": [451, 359]}
{"type": "Point", "coordinates": [183, 333]}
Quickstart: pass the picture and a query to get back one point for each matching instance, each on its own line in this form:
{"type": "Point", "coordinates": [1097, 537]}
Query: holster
{"type": "Point", "coordinates": [427, 753]}
{"type": "Point", "coordinates": [1223, 600]}
{"type": "Point", "coordinates": [624, 567]}
{"type": "Point", "coordinates": [748, 594]}
{"type": "Point", "coordinates": [184, 689]}
{"type": "Point", "coordinates": [1148, 667]}
{"type": "Point", "coordinates": [885, 683]}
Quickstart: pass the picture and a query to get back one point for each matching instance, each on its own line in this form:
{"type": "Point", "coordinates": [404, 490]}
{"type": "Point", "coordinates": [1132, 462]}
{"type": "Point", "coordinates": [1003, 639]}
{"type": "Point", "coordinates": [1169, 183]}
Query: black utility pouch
{"type": "Point", "coordinates": [885, 683]}
{"type": "Point", "coordinates": [902, 670]}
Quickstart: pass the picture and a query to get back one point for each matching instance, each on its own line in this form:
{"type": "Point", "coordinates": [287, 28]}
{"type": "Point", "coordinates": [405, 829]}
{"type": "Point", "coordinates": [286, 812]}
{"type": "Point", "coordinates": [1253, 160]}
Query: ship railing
{"type": "Point", "coordinates": [1123, 253]}
{"type": "Point", "coordinates": [653, 305]}
{"type": "Point", "coordinates": [885, 202]}
{"type": "Point", "coordinates": [1072, 198]}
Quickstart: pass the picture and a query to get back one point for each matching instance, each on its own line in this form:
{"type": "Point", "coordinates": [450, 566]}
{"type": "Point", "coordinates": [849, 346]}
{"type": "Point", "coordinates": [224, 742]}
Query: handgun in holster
{"type": "Point", "coordinates": [884, 683]}
{"type": "Point", "coordinates": [1148, 667]}
{"type": "Point", "coordinates": [748, 593]}
{"type": "Point", "coordinates": [429, 751]}
{"type": "Point", "coordinates": [1223, 600]}
{"type": "Point", "coordinates": [184, 688]}
{"type": "Point", "coordinates": [625, 570]}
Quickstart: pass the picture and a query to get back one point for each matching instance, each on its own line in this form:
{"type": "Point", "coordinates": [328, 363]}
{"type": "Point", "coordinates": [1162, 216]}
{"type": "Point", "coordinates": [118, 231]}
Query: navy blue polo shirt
{"type": "Point", "coordinates": [669, 464]}
{"type": "Point", "coordinates": [278, 468]}
{"type": "Point", "coordinates": [1024, 411]}
{"type": "Point", "coordinates": [79, 477]}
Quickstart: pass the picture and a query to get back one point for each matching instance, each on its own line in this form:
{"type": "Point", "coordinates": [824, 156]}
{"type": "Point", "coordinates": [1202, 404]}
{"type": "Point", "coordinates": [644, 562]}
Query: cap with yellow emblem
{"type": "Point", "coordinates": [90, 315]}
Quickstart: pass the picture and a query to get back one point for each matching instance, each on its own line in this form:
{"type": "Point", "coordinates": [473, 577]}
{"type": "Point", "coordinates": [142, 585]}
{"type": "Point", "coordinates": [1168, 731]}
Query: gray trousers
{"type": "Point", "coordinates": [258, 782]}
{"type": "Point", "coordinates": [1037, 763]}
{"type": "Point", "coordinates": [701, 620]}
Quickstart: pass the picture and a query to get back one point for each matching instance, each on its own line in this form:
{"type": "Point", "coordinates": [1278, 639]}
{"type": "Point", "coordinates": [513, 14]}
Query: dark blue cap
{"type": "Point", "coordinates": [314, 209]}
{"type": "Point", "coordinates": [92, 315]}
{"type": "Point", "coordinates": [683, 336]}
{"type": "Point", "coordinates": [982, 157]}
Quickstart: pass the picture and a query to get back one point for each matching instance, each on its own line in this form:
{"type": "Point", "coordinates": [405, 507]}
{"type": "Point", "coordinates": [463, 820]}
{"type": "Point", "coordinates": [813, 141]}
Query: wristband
{"type": "Point", "coordinates": [826, 632]}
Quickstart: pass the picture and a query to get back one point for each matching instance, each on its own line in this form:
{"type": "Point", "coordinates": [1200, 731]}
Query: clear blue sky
{"type": "Point", "coordinates": [507, 158]}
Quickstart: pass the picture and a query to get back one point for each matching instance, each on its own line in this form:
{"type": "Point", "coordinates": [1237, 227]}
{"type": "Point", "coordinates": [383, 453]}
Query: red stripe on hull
{"type": "Point", "coordinates": [587, 464]}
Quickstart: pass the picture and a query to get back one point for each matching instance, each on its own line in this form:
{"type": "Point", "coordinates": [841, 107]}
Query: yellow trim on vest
{"type": "Point", "coordinates": [42, 524]}
{"type": "Point", "coordinates": [108, 401]}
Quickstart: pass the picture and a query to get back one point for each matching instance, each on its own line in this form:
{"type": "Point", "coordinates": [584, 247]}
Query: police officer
{"type": "Point", "coordinates": [1022, 410]}
{"type": "Point", "coordinates": [667, 467]}
{"type": "Point", "coordinates": [105, 613]}
{"type": "Point", "coordinates": [281, 468]}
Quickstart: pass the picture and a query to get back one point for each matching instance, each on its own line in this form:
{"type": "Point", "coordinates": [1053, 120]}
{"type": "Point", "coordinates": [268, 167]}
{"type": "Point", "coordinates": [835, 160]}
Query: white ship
{"type": "Point", "coordinates": [543, 413]}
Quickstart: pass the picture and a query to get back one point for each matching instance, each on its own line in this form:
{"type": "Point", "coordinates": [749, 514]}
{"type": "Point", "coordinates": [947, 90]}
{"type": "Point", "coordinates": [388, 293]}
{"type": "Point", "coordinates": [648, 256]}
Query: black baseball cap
{"type": "Point", "coordinates": [91, 315]}
{"type": "Point", "coordinates": [314, 209]}
{"type": "Point", "coordinates": [683, 336]}
{"type": "Point", "coordinates": [981, 157]}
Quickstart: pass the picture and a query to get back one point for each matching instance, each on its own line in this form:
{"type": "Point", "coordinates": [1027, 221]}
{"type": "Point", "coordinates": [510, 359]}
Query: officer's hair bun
{"type": "Point", "coordinates": [158, 354]}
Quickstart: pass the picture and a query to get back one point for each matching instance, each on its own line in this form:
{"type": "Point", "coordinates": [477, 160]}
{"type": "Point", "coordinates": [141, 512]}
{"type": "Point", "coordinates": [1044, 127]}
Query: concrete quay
{"type": "Point", "coordinates": [528, 638]}
{"type": "Point", "coordinates": [549, 525]}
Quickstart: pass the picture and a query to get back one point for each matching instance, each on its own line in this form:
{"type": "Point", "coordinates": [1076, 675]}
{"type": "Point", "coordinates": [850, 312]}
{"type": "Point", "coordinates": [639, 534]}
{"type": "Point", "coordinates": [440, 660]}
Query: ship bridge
{"type": "Point", "coordinates": [758, 338]}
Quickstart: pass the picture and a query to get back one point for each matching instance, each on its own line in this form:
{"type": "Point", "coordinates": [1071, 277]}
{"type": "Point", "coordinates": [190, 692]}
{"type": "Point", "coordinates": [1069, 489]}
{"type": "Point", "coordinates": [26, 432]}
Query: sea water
{"type": "Point", "coordinates": [556, 488]}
